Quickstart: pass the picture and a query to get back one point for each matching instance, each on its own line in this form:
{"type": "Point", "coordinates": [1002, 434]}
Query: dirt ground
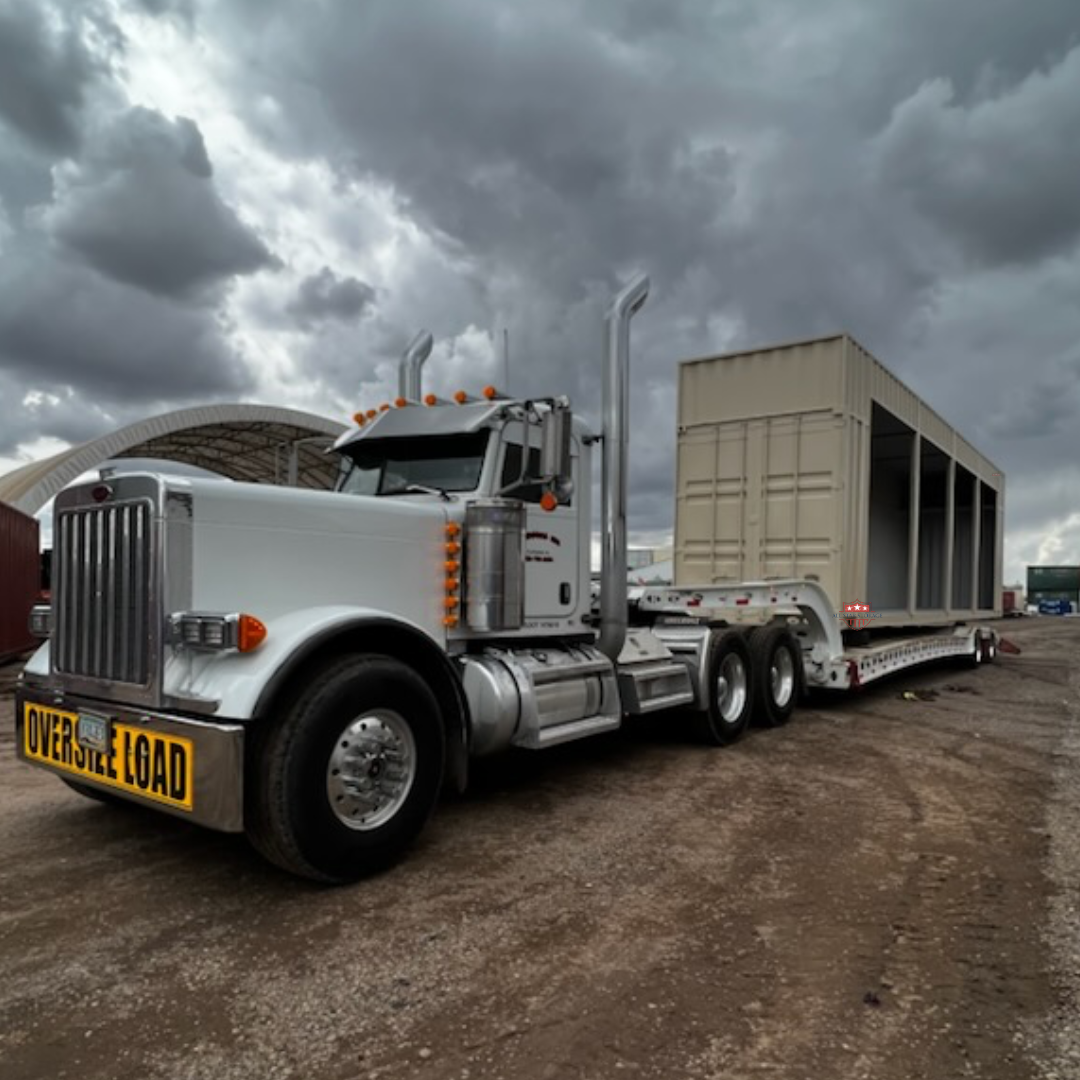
{"type": "Point", "coordinates": [877, 890]}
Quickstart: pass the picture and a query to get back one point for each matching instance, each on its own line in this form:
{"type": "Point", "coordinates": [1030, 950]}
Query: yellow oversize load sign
{"type": "Point", "coordinates": [131, 758]}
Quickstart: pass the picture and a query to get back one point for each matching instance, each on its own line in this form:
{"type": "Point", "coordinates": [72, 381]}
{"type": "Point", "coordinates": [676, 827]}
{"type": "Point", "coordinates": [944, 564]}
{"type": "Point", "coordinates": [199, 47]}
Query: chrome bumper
{"type": "Point", "coordinates": [218, 772]}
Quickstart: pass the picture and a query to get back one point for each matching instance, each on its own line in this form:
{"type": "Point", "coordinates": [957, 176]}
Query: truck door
{"type": "Point", "coordinates": [552, 549]}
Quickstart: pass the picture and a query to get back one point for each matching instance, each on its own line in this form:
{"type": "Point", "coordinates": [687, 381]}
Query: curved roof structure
{"type": "Point", "coordinates": [258, 443]}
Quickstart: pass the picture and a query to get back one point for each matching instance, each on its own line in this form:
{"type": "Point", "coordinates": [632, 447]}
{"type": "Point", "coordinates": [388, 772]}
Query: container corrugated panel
{"type": "Point", "coordinates": [813, 461]}
{"type": "Point", "coordinates": [20, 579]}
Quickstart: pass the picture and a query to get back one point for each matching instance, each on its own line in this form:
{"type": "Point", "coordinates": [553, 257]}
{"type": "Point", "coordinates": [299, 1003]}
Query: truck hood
{"type": "Point", "coordinates": [274, 551]}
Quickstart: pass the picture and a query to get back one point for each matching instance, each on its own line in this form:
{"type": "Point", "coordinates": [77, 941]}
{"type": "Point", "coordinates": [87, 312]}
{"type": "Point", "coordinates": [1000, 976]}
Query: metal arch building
{"type": "Point", "coordinates": [257, 443]}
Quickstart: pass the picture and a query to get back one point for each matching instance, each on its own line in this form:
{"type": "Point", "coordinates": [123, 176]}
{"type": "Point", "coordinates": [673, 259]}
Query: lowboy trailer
{"type": "Point", "coordinates": [312, 667]}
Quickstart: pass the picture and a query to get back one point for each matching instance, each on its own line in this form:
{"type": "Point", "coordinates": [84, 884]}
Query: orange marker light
{"type": "Point", "coordinates": [453, 528]}
{"type": "Point", "coordinates": [548, 501]}
{"type": "Point", "coordinates": [461, 397]}
{"type": "Point", "coordinates": [384, 407]}
{"type": "Point", "coordinates": [430, 399]}
{"type": "Point", "coordinates": [453, 547]}
{"type": "Point", "coordinates": [358, 419]}
{"type": "Point", "coordinates": [451, 602]}
{"type": "Point", "coordinates": [489, 392]}
{"type": "Point", "coordinates": [451, 584]}
{"type": "Point", "coordinates": [450, 620]}
{"type": "Point", "coordinates": [400, 402]}
{"type": "Point", "coordinates": [372, 413]}
{"type": "Point", "coordinates": [451, 566]}
{"type": "Point", "coordinates": [251, 633]}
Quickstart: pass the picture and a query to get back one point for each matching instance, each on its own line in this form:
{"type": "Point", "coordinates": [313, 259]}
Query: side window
{"type": "Point", "coordinates": [511, 472]}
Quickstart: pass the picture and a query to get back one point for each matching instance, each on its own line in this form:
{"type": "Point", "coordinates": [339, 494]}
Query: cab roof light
{"type": "Point", "coordinates": [490, 393]}
{"type": "Point", "coordinates": [384, 407]}
{"type": "Point", "coordinates": [359, 418]}
{"type": "Point", "coordinates": [430, 399]}
{"type": "Point", "coordinates": [372, 413]}
{"type": "Point", "coordinates": [400, 403]}
{"type": "Point", "coordinates": [461, 397]}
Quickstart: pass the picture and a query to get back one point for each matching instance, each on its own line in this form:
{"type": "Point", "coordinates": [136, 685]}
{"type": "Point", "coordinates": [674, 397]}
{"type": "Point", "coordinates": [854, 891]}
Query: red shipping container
{"type": "Point", "coordinates": [20, 579]}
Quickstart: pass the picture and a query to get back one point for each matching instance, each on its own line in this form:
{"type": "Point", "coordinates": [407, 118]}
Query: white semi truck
{"type": "Point", "coordinates": [312, 667]}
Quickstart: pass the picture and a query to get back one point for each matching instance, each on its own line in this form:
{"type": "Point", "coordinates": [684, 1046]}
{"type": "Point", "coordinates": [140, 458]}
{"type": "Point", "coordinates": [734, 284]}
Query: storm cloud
{"type": "Point", "coordinates": [313, 190]}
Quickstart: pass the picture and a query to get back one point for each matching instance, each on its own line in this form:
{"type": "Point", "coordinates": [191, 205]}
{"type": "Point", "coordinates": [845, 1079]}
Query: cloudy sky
{"type": "Point", "coordinates": [262, 200]}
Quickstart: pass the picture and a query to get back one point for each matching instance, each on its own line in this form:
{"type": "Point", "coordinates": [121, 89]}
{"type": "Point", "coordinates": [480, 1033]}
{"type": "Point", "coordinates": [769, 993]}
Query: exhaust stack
{"type": "Point", "coordinates": [412, 360]}
{"type": "Point", "coordinates": [613, 613]}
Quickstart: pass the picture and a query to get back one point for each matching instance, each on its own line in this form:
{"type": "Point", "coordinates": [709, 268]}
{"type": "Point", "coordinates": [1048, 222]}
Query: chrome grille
{"type": "Point", "coordinates": [102, 579]}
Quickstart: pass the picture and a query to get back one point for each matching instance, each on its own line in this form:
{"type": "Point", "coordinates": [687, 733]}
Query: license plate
{"type": "Point", "coordinates": [131, 757]}
{"type": "Point", "coordinates": [93, 732]}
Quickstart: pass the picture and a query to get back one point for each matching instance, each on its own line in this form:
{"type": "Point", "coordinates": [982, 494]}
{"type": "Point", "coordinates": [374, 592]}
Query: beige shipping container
{"type": "Point", "coordinates": [812, 461]}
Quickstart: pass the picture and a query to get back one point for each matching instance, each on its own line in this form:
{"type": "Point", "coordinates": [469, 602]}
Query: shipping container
{"type": "Point", "coordinates": [812, 460]}
{"type": "Point", "coordinates": [20, 579]}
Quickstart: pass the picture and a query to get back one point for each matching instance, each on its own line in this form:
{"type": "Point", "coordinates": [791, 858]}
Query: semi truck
{"type": "Point", "coordinates": [313, 668]}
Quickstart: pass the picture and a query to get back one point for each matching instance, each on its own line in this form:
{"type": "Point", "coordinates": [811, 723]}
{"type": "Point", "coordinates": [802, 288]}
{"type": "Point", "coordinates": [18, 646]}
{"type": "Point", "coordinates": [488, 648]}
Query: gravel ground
{"type": "Point", "coordinates": [885, 888]}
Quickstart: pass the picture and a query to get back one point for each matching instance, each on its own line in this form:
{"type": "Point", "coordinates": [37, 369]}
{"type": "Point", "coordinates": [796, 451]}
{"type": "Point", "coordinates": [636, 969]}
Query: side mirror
{"type": "Point", "coordinates": [555, 467]}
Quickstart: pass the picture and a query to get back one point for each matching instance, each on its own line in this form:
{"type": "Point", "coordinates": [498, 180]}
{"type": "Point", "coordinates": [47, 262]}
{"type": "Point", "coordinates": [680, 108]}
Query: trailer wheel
{"type": "Point", "coordinates": [342, 782]}
{"type": "Point", "coordinates": [975, 658]}
{"type": "Point", "coordinates": [730, 688]}
{"type": "Point", "coordinates": [777, 666]}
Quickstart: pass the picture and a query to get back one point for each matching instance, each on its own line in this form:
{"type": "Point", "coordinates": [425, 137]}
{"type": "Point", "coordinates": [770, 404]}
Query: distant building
{"type": "Point", "coordinates": [1054, 583]}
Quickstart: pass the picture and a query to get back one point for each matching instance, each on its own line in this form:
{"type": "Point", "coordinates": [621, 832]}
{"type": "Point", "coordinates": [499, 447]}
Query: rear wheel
{"type": "Point", "coordinates": [344, 780]}
{"type": "Point", "coordinates": [730, 689]}
{"type": "Point", "coordinates": [777, 668]}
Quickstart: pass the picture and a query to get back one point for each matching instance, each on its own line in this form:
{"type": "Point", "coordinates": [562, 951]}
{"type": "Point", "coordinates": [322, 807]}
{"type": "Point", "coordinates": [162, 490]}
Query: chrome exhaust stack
{"type": "Point", "coordinates": [412, 360]}
{"type": "Point", "coordinates": [613, 588]}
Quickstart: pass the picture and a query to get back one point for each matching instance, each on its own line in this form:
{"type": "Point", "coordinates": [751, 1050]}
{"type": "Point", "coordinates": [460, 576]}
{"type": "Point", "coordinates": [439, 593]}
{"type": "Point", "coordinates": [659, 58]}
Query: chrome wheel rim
{"type": "Point", "coordinates": [371, 769]}
{"type": "Point", "coordinates": [731, 689]}
{"type": "Point", "coordinates": [782, 677]}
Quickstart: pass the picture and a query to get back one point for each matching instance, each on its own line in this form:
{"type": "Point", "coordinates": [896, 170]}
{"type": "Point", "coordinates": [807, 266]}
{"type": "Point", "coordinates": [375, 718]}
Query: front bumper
{"type": "Point", "coordinates": [213, 794]}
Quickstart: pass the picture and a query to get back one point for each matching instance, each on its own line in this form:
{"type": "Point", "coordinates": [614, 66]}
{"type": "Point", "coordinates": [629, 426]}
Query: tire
{"type": "Point", "coordinates": [345, 778]}
{"type": "Point", "coordinates": [975, 658]}
{"type": "Point", "coordinates": [88, 792]}
{"type": "Point", "coordinates": [776, 661]}
{"type": "Point", "coordinates": [730, 689]}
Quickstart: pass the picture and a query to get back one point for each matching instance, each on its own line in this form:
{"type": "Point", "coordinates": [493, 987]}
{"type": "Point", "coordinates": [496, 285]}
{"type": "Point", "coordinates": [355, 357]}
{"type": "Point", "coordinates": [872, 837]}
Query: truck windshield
{"type": "Point", "coordinates": [399, 466]}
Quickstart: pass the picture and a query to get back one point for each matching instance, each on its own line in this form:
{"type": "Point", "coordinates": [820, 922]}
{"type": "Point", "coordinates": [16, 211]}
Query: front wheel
{"type": "Point", "coordinates": [342, 782]}
{"type": "Point", "coordinates": [730, 691]}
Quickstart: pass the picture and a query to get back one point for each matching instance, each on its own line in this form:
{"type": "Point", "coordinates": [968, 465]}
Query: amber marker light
{"type": "Point", "coordinates": [461, 397]}
{"type": "Point", "coordinates": [430, 399]}
{"type": "Point", "coordinates": [453, 547]}
{"type": "Point", "coordinates": [384, 407]}
{"type": "Point", "coordinates": [490, 392]}
{"type": "Point", "coordinates": [372, 413]}
{"type": "Point", "coordinates": [250, 633]}
{"type": "Point", "coordinates": [451, 566]}
{"type": "Point", "coordinates": [358, 419]}
{"type": "Point", "coordinates": [548, 501]}
{"type": "Point", "coordinates": [453, 529]}
{"type": "Point", "coordinates": [450, 620]}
